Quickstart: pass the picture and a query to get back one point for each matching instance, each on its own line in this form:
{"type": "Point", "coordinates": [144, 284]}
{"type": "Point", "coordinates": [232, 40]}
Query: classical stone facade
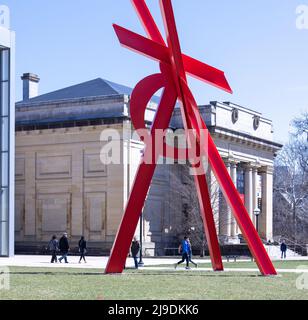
{"type": "Point", "coordinates": [245, 141]}
{"type": "Point", "coordinates": [62, 185]}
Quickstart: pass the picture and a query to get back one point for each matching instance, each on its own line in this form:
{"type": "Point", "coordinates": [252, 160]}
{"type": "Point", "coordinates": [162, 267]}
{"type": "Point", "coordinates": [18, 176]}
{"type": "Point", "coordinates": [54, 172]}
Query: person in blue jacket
{"type": "Point", "coordinates": [184, 249]}
{"type": "Point", "coordinates": [190, 254]}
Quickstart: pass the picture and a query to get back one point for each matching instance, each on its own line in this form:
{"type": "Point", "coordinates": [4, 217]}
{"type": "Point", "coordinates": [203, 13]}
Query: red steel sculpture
{"type": "Point", "coordinates": [172, 79]}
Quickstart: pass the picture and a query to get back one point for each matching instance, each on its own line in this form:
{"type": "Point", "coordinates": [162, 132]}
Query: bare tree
{"type": "Point", "coordinates": [300, 140]}
{"type": "Point", "coordinates": [192, 224]}
{"type": "Point", "coordinates": [291, 184]}
{"type": "Point", "coordinates": [300, 126]}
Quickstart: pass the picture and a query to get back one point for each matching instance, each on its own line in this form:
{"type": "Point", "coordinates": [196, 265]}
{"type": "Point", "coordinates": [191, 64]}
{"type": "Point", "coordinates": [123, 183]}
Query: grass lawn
{"type": "Point", "coordinates": [92, 284]}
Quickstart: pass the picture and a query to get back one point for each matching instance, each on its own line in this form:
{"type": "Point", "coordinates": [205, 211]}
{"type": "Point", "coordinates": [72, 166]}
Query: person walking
{"type": "Point", "coordinates": [184, 250]}
{"type": "Point", "coordinates": [135, 248]}
{"type": "Point", "coordinates": [53, 247]}
{"type": "Point", "coordinates": [283, 249]}
{"type": "Point", "coordinates": [190, 253]}
{"type": "Point", "coordinates": [64, 247]}
{"type": "Point", "coordinates": [82, 249]}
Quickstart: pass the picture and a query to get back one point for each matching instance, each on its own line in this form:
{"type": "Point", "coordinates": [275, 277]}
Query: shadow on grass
{"type": "Point", "coordinates": [49, 273]}
{"type": "Point", "coordinates": [139, 274]}
{"type": "Point", "coordinates": [194, 274]}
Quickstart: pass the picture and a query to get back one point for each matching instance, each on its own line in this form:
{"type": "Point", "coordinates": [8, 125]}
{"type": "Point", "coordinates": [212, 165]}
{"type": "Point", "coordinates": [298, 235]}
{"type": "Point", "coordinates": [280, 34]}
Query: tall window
{"type": "Point", "coordinates": [4, 149]}
{"type": "Point", "coordinates": [240, 184]}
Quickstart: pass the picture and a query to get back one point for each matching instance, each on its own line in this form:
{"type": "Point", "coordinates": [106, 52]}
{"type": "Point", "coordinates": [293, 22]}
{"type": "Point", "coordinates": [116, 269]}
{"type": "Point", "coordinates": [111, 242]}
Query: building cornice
{"type": "Point", "coordinates": [244, 138]}
{"type": "Point", "coordinates": [26, 105]}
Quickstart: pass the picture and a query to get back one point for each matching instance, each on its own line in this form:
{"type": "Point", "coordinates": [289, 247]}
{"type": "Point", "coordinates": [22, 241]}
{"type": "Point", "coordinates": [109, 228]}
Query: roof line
{"type": "Point", "coordinates": [69, 100]}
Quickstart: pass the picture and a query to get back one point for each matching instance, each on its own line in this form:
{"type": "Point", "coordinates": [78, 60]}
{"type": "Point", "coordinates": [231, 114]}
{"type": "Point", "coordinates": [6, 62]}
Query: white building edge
{"type": "Point", "coordinates": [7, 130]}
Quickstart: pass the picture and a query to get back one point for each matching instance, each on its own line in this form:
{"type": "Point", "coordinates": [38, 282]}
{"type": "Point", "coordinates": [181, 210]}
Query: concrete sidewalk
{"type": "Point", "coordinates": [101, 262]}
{"type": "Point", "coordinates": [92, 262]}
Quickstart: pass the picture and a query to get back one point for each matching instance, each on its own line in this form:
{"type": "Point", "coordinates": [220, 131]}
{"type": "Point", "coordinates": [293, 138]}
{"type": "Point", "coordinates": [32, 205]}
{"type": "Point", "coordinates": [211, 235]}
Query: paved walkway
{"type": "Point", "coordinates": [92, 262]}
{"type": "Point", "coordinates": [101, 262]}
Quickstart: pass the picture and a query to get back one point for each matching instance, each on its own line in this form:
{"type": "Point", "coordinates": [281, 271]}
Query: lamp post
{"type": "Point", "coordinates": [257, 212]}
{"type": "Point", "coordinates": [140, 263]}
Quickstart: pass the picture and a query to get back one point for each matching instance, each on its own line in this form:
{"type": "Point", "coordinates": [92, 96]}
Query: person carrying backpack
{"type": "Point", "coordinates": [53, 247]}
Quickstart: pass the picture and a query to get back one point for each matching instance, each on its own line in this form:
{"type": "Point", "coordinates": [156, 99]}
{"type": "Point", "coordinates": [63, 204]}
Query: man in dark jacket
{"type": "Point", "coordinates": [64, 247]}
{"type": "Point", "coordinates": [283, 249]}
{"type": "Point", "coordinates": [135, 247]}
{"type": "Point", "coordinates": [82, 245]}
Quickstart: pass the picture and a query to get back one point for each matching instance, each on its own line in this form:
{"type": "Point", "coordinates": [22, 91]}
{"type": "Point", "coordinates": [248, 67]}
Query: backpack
{"type": "Point", "coordinates": [52, 245]}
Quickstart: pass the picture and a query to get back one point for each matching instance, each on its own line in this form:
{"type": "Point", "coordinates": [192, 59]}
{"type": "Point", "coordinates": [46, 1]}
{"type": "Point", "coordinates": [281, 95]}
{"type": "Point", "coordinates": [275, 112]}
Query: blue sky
{"type": "Point", "coordinates": [256, 43]}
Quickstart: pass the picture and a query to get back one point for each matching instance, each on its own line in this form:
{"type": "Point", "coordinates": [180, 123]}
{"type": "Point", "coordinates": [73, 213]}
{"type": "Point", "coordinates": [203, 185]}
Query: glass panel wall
{"type": "Point", "coordinates": [4, 150]}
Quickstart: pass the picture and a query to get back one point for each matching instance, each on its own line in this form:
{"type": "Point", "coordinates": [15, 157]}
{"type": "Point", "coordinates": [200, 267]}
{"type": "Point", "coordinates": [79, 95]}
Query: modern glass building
{"type": "Point", "coordinates": [7, 129]}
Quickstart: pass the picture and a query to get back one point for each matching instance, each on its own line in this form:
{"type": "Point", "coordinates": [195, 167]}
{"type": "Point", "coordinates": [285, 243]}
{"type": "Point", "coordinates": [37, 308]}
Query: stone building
{"type": "Point", "coordinates": [244, 139]}
{"type": "Point", "coordinates": [7, 125]}
{"type": "Point", "coordinates": [62, 185]}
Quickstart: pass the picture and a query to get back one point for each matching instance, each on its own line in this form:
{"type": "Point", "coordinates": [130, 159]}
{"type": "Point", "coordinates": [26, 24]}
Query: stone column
{"type": "Point", "coordinates": [266, 216]}
{"type": "Point", "coordinates": [76, 224]}
{"type": "Point", "coordinates": [214, 195]}
{"type": "Point", "coordinates": [248, 190]}
{"type": "Point", "coordinates": [240, 171]}
{"type": "Point", "coordinates": [30, 197]}
{"type": "Point", "coordinates": [254, 191]}
{"type": "Point", "coordinates": [225, 213]}
{"type": "Point", "coordinates": [234, 179]}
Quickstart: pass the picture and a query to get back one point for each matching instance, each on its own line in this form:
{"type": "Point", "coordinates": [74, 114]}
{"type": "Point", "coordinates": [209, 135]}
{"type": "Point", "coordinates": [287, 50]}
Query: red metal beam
{"type": "Point", "coordinates": [174, 66]}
